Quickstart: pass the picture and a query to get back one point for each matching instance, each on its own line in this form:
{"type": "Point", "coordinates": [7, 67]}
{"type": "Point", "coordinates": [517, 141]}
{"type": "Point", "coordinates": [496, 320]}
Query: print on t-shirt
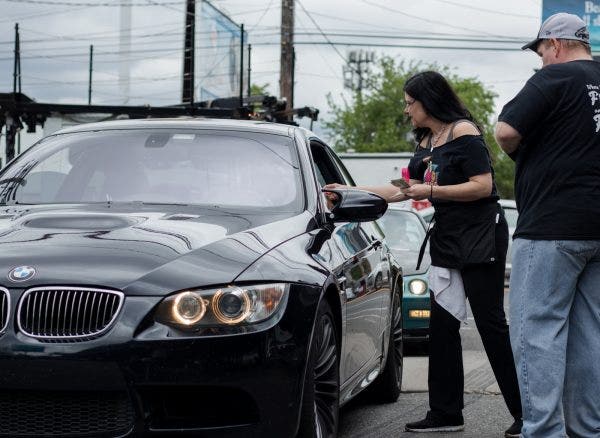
{"type": "Point", "coordinates": [594, 93]}
{"type": "Point", "coordinates": [431, 173]}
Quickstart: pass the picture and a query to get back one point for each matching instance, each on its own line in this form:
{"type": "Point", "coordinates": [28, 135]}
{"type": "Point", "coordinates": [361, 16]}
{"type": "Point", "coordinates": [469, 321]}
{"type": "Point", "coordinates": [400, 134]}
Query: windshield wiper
{"type": "Point", "coordinates": [155, 203]}
{"type": "Point", "coordinates": [19, 180]}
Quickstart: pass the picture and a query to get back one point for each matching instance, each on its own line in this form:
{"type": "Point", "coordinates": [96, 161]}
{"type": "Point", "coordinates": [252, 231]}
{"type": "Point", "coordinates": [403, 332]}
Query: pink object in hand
{"type": "Point", "coordinates": [405, 174]}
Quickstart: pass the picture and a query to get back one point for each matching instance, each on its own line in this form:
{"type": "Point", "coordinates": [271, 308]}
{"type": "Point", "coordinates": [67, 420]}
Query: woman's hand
{"type": "Point", "coordinates": [335, 186]}
{"type": "Point", "coordinates": [331, 197]}
{"type": "Point", "coordinates": [418, 192]}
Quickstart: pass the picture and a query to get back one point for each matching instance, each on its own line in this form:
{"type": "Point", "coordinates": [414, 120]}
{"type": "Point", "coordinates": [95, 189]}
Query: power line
{"type": "Point", "coordinates": [92, 4]}
{"type": "Point", "coordinates": [379, 26]}
{"type": "Point", "coordinates": [262, 16]}
{"type": "Point", "coordinates": [97, 35]}
{"type": "Point", "coordinates": [39, 14]}
{"type": "Point", "coordinates": [475, 8]}
{"type": "Point", "coordinates": [414, 37]}
{"type": "Point", "coordinates": [416, 17]}
{"type": "Point", "coordinates": [321, 31]}
{"type": "Point", "coordinates": [325, 60]}
{"type": "Point", "coordinates": [408, 46]}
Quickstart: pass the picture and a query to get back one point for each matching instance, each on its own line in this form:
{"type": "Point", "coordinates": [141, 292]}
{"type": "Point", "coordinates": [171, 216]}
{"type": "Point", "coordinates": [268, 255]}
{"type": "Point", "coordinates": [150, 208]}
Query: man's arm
{"type": "Point", "coordinates": [507, 137]}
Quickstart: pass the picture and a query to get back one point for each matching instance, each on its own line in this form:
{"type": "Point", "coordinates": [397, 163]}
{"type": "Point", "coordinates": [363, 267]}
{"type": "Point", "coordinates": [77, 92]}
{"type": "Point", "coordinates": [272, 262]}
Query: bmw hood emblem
{"type": "Point", "coordinates": [21, 273]}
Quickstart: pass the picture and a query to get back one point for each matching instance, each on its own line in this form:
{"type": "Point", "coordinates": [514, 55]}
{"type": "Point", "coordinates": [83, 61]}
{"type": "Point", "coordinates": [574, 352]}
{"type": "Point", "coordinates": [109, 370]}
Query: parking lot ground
{"type": "Point", "coordinates": [485, 413]}
{"type": "Point", "coordinates": [485, 416]}
{"type": "Point", "coordinates": [479, 378]}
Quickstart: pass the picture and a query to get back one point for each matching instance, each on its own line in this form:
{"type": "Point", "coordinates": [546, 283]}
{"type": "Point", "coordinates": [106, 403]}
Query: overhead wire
{"type": "Point", "coordinates": [415, 37]}
{"type": "Point", "coordinates": [426, 20]}
{"type": "Point", "coordinates": [380, 26]}
{"type": "Point", "coordinates": [267, 9]}
{"type": "Point", "coordinates": [93, 3]}
{"type": "Point", "coordinates": [491, 11]}
{"type": "Point", "coordinates": [321, 31]}
{"type": "Point", "coordinates": [39, 14]}
{"type": "Point", "coordinates": [325, 60]}
{"type": "Point", "coordinates": [410, 46]}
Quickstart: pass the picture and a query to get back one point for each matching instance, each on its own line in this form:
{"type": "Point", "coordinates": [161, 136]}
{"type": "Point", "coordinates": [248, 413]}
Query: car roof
{"type": "Point", "coordinates": [404, 205]}
{"type": "Point", "coordinates": [508, 203]}
{"type": "Point", "coordinates": [397, 206]}
{"type": "Point", "coordinates": [185, 123]}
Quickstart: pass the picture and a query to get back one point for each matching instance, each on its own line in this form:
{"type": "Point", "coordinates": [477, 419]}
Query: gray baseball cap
{"type": "Point", "coordinates": [561, 26]}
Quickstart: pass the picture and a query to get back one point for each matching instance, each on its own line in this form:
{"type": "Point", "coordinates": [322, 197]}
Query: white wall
{"type": "Point", "coordinates": [375, 168]}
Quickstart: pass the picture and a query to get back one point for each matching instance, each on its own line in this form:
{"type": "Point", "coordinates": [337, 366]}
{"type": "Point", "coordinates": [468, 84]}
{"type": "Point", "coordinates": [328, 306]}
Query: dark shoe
{"type": "Point", "coordinates": [514, 431]}
{"type": "Point", "coordinates": [436, 423]}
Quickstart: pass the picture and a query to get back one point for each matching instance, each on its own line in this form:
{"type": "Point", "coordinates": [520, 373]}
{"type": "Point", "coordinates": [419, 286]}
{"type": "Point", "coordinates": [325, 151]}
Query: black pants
{"type": "Point", "coordinates": [484, 288]}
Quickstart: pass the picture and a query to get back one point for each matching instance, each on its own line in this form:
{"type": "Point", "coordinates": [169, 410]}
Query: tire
{"type": "Point", "coordinates": [319, 416]}
{"type": "Point", "coordinates": [387, 386]}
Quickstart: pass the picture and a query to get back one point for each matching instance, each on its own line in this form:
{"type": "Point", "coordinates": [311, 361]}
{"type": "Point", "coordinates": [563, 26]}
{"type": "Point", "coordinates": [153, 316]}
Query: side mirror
{"type": "Point", "coordinates": [356, 206]}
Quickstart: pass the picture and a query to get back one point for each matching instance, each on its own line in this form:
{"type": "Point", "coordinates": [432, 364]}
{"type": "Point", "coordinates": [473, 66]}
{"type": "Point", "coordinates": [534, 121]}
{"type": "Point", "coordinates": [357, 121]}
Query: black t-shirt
{"type": "Point", "coordinates": [454, 163]}
{"type": "Point", "coordinates": [464, 231]}
{"type": "Point", "coordinates": [557, 181]}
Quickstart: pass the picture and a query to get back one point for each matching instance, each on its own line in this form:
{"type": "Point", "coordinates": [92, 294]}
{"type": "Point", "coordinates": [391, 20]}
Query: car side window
{"type": "Point", "coordinates": [327, 171]}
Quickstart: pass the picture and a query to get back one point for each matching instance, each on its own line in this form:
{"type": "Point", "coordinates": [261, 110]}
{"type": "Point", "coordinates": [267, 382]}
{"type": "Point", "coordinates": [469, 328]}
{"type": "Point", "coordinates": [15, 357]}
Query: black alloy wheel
{"type": "Point", "coordinates": [386, 388]}
{"type": "Point", "coordinates": [321, 399]}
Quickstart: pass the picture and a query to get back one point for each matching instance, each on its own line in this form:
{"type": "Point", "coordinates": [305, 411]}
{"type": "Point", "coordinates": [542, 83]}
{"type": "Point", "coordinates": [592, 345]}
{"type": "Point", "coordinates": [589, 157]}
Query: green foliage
{"type": "Point", "coordinates": [256, 89]}
{"type": "Point", "coordinates": [375, 122]}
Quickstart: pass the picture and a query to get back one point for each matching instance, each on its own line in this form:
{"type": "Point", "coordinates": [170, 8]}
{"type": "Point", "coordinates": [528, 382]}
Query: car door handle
{"type": "Point", "coordinates": [342, 283]}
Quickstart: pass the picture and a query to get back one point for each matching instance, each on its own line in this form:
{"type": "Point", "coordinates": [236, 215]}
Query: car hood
{"type": "Point", "coordinates": [141, 250]}
{"type": "Point", "coordinates": [408, 260]}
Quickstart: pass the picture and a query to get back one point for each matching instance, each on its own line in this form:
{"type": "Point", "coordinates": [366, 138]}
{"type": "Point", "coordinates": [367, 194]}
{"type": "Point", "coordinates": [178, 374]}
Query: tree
{"type": "Point", "coordinates": [375, 122]}
{"type": "Point", "coordinates": [256, 89]}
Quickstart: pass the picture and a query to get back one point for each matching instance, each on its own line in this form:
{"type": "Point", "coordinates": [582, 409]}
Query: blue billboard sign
{"type": "Point", "coordinates": [588, 10]}
{"type": "Point", "coordinates": [218, 50]}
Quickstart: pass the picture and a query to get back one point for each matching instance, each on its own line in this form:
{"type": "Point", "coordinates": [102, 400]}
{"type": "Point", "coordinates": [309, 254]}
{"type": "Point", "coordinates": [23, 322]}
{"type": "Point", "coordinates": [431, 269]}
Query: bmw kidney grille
{"type": "Point", "coordinates": [4, 308]}
{"type": "Point", "coordinates": [68, 313]}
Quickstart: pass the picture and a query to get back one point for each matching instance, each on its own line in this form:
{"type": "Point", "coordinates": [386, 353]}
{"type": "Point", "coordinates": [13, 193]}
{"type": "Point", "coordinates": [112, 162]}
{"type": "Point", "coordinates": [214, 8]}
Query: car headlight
{"type": "Point", "coordinates": [226, 306]}
{"type": "Point", "coordinates": [417, 287]}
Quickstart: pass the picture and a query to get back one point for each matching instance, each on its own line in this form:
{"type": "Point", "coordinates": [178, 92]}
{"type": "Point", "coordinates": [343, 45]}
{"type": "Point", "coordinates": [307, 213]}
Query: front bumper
{"type": "Point", "coordinates": [415, 311]}
{"type": "Point", "coordinates": [142, 379]}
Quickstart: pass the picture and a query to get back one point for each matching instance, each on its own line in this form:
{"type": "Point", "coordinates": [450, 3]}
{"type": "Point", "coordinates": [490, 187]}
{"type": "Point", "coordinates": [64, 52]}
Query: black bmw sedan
{"type": "Point", "coordinates": [189, 277]}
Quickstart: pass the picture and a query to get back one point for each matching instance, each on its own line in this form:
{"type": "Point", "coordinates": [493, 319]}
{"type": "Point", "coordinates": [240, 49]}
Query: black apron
{"type": "Point", "coordinates": [463, 235]}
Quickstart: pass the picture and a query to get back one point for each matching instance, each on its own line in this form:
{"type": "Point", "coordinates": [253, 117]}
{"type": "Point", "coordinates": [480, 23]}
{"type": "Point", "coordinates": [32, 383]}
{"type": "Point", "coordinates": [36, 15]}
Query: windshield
{"type": "Point", "coordinates": [403, 230]}
{"type": "Point", "coordinates": [158, 166]}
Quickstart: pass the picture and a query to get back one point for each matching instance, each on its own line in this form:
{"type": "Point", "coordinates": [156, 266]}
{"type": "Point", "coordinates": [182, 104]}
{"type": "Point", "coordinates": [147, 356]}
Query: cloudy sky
{"type": "Point", "coordinates": [477, 39]}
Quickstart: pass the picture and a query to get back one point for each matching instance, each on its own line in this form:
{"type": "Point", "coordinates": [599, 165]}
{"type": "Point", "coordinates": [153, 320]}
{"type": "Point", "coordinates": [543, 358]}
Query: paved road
{"type": "Point", "coordinates": [485, 412]}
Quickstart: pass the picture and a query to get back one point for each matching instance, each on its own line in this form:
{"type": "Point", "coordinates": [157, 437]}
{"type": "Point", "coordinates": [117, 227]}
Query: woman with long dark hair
{"type": "Point", "coordinates": [468, 244]}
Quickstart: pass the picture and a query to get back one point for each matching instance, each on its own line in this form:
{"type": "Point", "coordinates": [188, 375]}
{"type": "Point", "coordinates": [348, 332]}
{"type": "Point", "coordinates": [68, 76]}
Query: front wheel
{"type": "Point", "coordinates": [321, 399]}
{"type": "Point", "coordinates": [386, 388]}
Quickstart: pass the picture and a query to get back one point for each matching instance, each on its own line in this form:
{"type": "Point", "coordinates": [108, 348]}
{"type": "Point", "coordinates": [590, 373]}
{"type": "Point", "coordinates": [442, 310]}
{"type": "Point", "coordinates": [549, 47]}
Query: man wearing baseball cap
{"type": "Point", "coordinates": [552, 131]}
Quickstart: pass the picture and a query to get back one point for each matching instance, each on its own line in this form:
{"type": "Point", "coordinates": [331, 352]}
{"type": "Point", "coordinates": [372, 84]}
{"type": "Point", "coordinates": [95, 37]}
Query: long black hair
{"type": "Point", "coordinates": [438, 99]}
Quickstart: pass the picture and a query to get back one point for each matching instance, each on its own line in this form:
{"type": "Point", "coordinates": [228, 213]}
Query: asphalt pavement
{"type": "Point", "coordinates": [485, 413]}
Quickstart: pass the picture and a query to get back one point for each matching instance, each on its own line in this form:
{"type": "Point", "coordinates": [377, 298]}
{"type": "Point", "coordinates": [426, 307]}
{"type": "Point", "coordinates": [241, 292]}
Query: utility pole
{"type": "Point", "coordinates": [242, 66]}
{"type": "Point", "coordinates": [249, 70]}
{"type": "Point", "coordinates": [17, 65]}
{"type": "Point", "coordinates": [125, 50]}
{"type": "Point", "coordinates": [12, 120]}
{"type": "Point", "coordinates": [91, 69]}
{"type": "Point", "coordinates": [187, 88]}
{"type": "Point", "coordinates": [286, 71]}
{"type": "Point", "coordinates": [356, 69]}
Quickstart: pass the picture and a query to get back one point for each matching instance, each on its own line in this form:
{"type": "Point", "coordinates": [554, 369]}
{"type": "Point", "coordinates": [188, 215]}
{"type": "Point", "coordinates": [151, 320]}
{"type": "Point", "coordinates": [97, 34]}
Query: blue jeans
{"type": "Point", "coordinates": [555, 335]}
